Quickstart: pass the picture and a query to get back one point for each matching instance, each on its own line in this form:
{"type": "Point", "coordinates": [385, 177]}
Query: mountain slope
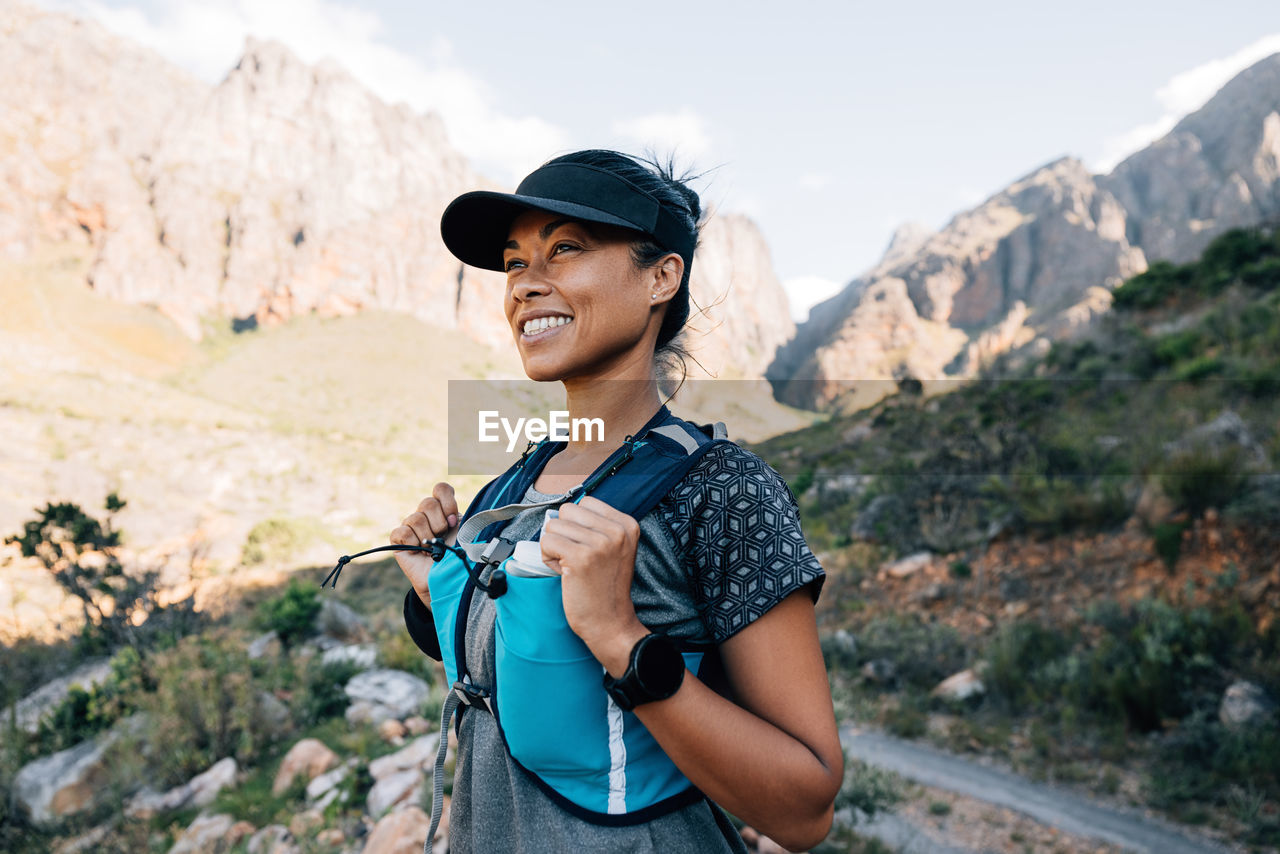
{"type": "Point", "coordinates": [1036, 262]}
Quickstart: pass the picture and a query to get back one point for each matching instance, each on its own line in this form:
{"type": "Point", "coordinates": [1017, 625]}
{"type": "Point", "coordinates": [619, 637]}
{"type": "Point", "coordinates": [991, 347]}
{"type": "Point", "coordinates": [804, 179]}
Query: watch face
{"type": "Point", "coordinates": [660, 667]}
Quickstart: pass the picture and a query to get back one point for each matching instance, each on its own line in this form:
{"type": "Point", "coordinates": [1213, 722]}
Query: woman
{"type": "Point", "coordinates": [597, 248]}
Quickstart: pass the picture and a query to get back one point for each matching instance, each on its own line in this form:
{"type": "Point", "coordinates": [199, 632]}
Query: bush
{"type": "Point", "coordinates": [206, 706]}
{"type": "Point", "coordinates": [1167, 539]}
{"type": "Point", "coordinates": [922, 653]}
{"type": "Point", "coordinates": [1152, 288]}
{"type": "Point", "coordinates": [292, 614]}
{"type": "Point", "coordinates": [83, 714]}
{"type": "Point", "coordinates": [274, 540]}
{"type": "Point", "coordinates": [1202, 478]}
{"type": "Point", "coordinates": [82, 555]}
{"type": "Point", "coordinates": [323, 695]}
{"type": "Point", "coordinates": [1016, 656]}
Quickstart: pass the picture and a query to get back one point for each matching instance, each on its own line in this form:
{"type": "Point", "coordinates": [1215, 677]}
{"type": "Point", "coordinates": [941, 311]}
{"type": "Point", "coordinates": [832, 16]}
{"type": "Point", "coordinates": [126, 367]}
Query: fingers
{"type": "Point", "coordinates": [582, 528]}
{"type": "Point", "coordinates": [443, 493]}
{"type": "Point", "coordinates": [436, 516]}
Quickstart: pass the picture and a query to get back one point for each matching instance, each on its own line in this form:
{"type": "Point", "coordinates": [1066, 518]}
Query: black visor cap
{"type": "Point", "coordinates": [475, 225]}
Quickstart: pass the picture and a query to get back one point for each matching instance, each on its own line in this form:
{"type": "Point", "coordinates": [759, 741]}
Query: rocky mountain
{"type": "Point", "coordinates": [1037, 261]}
{"type": "Point", "coordinates": [287, 188]}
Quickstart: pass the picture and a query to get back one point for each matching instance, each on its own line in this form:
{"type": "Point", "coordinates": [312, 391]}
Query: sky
{"type": "Point", "coordinates": [830, 124]}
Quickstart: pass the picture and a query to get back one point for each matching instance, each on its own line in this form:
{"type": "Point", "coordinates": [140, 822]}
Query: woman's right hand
{"type": "Point", "coordinates": [436, 516]}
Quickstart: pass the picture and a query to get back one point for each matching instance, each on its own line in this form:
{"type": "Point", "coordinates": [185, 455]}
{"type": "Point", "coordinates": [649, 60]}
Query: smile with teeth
{"type": "Point", "coordinates": [541, 324]}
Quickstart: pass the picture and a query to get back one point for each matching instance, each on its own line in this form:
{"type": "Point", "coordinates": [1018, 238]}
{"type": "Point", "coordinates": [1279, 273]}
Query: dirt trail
{"type": "Point", "coordinates": [1064, 810]}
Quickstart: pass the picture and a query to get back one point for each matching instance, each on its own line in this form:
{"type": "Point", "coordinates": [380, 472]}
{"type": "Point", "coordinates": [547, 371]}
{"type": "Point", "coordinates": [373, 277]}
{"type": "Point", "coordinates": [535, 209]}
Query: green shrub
{"type": "Point", "coordinates": [922, 653]}
{"type": "Point", "coordinates": [323, 693]}
{"type": "Point", "coordinates": [1178, 346]}
{"type": "Point", "coordinates": [274, 540]}
{"type": "Point", "coordinates": [1016, 658]}
{"type": "Point", "coordinates": [1198, 368]}
{"type": "Point", "coordinates": [1201, 478]}
{"type": "Point", "coordinates": [292, 614]}
{"type": "Point", "coordinates": [206, 706]}
{"type": "Point", "coordinates": [1167, 539]}
{"type": "Point", "coordinates": [1154, 287]}
{"type": "Point", "coordinates": [1264, 274]}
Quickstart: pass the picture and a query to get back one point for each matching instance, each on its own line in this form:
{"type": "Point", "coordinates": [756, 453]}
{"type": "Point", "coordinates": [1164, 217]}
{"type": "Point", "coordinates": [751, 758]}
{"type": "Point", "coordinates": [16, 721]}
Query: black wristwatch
{"type": "Point", "coordinates": [655, 672]}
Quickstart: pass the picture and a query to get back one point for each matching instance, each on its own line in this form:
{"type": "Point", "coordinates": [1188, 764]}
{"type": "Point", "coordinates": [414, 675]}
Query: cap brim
{"type": "Point", "coordinates": [475, 225]}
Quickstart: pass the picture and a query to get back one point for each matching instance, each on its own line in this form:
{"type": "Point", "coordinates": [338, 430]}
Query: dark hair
{"type": "Point", "coordinates": [660, 181]}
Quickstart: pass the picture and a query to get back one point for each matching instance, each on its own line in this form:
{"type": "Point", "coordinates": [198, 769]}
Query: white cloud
{"type": "Point", "coordinates": [683, 132]}
{"type": "Point", "coordinates": [207, 38]}
{"type": "Point", "coordinates": [804, 292]}
{"type": "Point", "coordinates": [1184, 93]}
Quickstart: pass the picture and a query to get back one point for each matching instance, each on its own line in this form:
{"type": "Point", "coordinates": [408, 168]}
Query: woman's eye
{"type": "Point", "coordinates": [512, 264]}
{"type": "Point", "coordinates": [560, 246]}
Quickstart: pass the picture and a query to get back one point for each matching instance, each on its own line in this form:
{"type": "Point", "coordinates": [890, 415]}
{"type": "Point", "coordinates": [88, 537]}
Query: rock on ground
{"type": "Point", "coordinates": [199, 791]}
{"type": "Point", "coordinates": [65, 783]}
{"type": "Point", "coordinates": [309, 757]}
{"type": "Point", "coordinates": [401, 832]}
{"type": "Point", "coordinates": [400, 694]}
{"type": "Point", "coordinates": [211, 834]}
{"type": "Point", "coordinates": [1244, 703]}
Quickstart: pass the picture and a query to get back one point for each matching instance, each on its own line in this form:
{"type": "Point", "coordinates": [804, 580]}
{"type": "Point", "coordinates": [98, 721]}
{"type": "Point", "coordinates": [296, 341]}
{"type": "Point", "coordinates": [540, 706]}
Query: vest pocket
{"type": "Point", "coordinates": [551, 700]}
{"type": "Point", "coordinates": [446, 581]}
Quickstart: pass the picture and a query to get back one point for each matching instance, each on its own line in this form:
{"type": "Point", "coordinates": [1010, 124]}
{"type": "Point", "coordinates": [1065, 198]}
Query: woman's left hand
{"type": "Point", "coordinates": [593, 547]}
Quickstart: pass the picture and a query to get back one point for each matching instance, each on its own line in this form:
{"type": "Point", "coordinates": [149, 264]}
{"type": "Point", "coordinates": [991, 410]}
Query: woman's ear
{"type": "Point", "coordinates": [666, 277]}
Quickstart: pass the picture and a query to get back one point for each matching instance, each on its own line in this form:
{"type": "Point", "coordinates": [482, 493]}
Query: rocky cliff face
{"type": "Point", "coordinates": [285, 189]}
{"type": "Point", "coordinates": [739, 315]}
{"type": "Point", "coordinates": [1217, 169]}
{"type": "Point", "coordinates": [1037, 261]}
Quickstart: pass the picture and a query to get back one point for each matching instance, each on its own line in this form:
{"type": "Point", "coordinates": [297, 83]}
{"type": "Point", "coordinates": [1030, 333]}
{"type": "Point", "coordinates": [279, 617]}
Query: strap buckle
{"type": "Point", "coordinates": [472, 695]}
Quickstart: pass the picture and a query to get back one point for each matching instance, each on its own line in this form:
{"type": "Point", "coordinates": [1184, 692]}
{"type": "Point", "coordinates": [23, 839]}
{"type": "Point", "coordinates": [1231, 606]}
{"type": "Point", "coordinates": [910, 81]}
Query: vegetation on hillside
{"type": "Point", "coordinates": [1162, 416]}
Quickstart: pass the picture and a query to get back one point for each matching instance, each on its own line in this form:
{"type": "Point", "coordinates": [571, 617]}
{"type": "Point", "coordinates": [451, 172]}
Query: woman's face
{"type": "Point", "coordinates": [581, 281]}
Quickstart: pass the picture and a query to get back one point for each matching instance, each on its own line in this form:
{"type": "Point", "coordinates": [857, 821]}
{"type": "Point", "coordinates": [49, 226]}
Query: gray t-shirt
{"type": "Point", "coordinates": [716, 553]}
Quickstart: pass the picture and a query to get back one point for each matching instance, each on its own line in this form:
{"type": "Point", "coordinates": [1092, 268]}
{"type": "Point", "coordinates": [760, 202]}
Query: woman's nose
{"type": "Point", "coordinates": [531, 283]}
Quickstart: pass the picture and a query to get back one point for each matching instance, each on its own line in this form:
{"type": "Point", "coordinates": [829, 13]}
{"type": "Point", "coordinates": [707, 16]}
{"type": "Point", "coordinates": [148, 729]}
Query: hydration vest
{"type": "Point", "coordinates": [555, 718]}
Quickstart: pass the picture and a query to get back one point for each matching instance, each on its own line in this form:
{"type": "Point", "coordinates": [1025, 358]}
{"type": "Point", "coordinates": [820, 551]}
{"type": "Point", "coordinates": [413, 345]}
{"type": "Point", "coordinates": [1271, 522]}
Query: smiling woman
{"type": "Point", "coordinates": [662, 665]}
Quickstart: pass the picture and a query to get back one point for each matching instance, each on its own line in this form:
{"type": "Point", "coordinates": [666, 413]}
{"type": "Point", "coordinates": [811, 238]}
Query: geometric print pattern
{"type": "Point", "coordinates": [736, 524]}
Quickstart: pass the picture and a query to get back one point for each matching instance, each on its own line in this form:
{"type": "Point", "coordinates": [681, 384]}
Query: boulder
{"type": "Point", "coordinates": [306, 823]}
{"type": "Point", "coordinates": [959, 686]}
{"type": "Point", "coordinates": [881, 671]}
{"type": "Point", "coordinates": [401, 694]}
{"type": "Point", "coordinates": [908, 565]}
{"type": "Point", "coordinates": [881, 521]}
{"type": "Point", "coordinates": [310, 757]}
{"type": "Point", "coordinates": [1225, 433]}
{"type": "Point", "coordinates": [392, 730]}
{"type": "Point", "coordinates": [31, 708]}
{"type": "Point", "coordinates": [89, 841]}
{"type": "Point", "coordinates": [341, 621]}
{"type": "Point", "coordinates": [264, 645]}
{"type": "Point", "coordinates": [323, 789]}
{"type": "Point", "coordinates": [362, 655]}
{"type": "Point", "coordinates": [368, 712]}
{"type": "Point", "coordinates": [401, 832]}
{"type": "Point", "coordinates": [417, 725]}
{"type": "Point", "coordinates": [63, 784]}
{"type": "Point", "coordinates": [1245, 704]}
{"type": "Point", "coordinates": [393, 789]}
{"type": "Point", "coordinates": [211, 834]}
{"type": "Point", "coordinates": [417, 754]}
{"type": "Point", "coordinates": [331, 837]}
{"type": "Point", "coordinates": [199, 791]}
{"type": "Point", "coordinates": [273, 714]}
{"type": "Point", "coordinates": [273, 839]}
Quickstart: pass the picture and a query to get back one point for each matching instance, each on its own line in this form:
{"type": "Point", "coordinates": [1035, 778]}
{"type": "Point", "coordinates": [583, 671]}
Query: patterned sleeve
{"type": "Point", "coordinates": [737, 525]}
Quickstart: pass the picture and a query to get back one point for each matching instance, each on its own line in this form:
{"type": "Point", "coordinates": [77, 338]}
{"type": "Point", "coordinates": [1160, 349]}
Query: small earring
{"type": "Point", "coordinates": [653, 296]}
